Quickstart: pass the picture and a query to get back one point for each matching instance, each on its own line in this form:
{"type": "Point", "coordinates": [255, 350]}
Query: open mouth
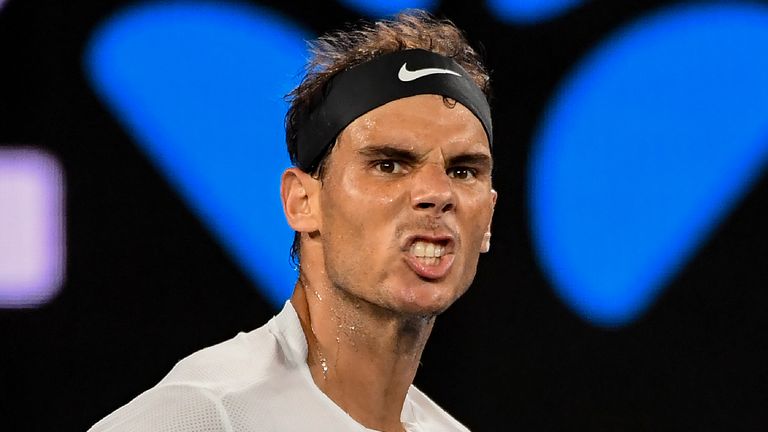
{"type": "Point", "coordinates": [428, 253]}
{"type": "Point", "coordinates": [430, 257]}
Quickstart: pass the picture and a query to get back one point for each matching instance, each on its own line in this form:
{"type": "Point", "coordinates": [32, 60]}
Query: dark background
{"type": "Point", "coordinates": [147, 284]}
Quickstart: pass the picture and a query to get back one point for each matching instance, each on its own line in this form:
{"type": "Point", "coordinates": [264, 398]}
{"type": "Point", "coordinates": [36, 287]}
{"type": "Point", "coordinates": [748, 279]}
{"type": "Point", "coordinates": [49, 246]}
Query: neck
{"type": "Point", "coordinates": [361, 356]}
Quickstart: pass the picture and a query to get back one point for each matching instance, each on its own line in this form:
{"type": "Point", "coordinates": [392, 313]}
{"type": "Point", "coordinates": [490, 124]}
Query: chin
{"type": "Point", "coordinates": [426, 298]}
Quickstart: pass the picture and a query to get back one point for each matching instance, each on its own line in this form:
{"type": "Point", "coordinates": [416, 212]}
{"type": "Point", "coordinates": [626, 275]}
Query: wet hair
{"type": "Point", "coordinates": [338, 51]}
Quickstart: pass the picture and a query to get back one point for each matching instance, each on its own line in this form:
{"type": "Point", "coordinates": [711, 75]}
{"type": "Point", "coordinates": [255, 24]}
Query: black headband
{"type": "Point", "coordinates": [397, 75]}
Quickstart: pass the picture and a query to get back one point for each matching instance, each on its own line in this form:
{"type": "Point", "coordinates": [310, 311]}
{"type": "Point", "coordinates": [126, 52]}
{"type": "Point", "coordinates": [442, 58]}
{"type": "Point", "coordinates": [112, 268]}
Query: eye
{"type": "Point", "coordinates": [389, 166]}
{"type": "Point", "coordinates": [462, 173]}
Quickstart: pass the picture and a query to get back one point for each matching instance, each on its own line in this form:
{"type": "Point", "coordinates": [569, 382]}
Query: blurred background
{"type": "Point", "coordinates": [140, 150]}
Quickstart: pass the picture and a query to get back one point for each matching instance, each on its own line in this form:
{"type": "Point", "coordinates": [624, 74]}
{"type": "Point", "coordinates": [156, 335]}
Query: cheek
{"type": "Point", "coordinates": [359, 230]}
{"type": "Point", "coordinates": [360, 213]}
{"type": "Point", "coordinates": [369, 193]}
{"type": "Point", "coordinates": [478, 214]}
{"type": "Point", "coordinates": [373, 202]}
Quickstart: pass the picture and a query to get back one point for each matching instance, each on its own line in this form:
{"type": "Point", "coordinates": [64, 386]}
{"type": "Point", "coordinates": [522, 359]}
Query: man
{"type": "Point", "coordinates": [391, 201]}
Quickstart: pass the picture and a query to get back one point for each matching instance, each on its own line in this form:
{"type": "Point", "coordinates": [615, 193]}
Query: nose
{"type": "Point", "coordinates": [432, 190]}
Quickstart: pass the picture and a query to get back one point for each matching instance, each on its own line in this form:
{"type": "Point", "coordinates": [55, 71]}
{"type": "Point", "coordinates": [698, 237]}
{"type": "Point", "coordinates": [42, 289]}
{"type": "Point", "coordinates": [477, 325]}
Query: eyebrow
{"type": "Point", "coordinates": [476, 159]}
{"type": "Point", "coordinates": [390, 152]}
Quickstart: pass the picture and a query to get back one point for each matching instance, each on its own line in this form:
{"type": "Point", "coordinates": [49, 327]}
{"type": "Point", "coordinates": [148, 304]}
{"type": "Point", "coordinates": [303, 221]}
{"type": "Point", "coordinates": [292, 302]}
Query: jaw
{"type": "Point", "coordinates": [408, 292]}
{"type": "Point", "coordinates": [392, 276]}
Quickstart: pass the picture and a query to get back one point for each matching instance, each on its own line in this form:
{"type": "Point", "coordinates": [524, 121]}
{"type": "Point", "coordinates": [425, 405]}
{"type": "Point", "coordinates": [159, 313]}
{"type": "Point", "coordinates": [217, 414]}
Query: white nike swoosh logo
{"type": "Point", "coordinates": [405, 75]}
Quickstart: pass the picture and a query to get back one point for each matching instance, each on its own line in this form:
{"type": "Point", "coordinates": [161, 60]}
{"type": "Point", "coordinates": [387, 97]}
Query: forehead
{"type": "Point", "coordinates": [422, 121]}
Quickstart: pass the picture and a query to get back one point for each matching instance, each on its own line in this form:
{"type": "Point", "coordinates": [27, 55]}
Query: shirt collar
{"type": "Point", "coordinates": [286, 328]}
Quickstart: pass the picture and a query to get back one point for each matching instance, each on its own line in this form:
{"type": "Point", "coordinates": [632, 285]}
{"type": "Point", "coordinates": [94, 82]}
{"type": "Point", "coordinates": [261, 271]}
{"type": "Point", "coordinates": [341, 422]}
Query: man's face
{"type": "Point", "coordinates": [405, 201]}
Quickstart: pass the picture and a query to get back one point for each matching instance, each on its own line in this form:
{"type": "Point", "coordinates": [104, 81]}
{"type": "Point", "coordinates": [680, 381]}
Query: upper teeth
{"type": "Point", "coordinates": [427, 249]}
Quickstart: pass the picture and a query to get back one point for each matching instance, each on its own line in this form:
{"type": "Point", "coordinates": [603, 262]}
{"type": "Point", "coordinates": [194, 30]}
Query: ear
{"type": "Point", "coordinates": [486, 245]}
{"type": "Point", "coordinates": [297, 191]}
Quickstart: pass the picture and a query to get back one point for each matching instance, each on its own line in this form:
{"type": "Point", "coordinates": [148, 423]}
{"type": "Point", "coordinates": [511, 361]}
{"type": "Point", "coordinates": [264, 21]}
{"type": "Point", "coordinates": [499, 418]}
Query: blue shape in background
{"type": "Point", "coordinates": [529, 11]}
{"type": "Point", "coordinates": [200, 85]}
{"type": "Point", "coordinates": [644, 150]}
{"type": "Point", "coordinates": [375, 9]}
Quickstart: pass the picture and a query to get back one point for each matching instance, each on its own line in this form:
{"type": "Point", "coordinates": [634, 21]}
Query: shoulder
{"type": "Point", "coordinates": [193, 396]}
{"type": "Point", "coordinates": [243, 360]}
{"type": "Point", "coordinates": [428, 415]}
{"type": "Point", "coordinates": [170, 408]}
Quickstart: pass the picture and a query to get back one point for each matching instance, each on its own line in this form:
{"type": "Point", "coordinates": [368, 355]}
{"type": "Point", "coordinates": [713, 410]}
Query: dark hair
{"type": "Point", "coordinates": [338, 51]}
